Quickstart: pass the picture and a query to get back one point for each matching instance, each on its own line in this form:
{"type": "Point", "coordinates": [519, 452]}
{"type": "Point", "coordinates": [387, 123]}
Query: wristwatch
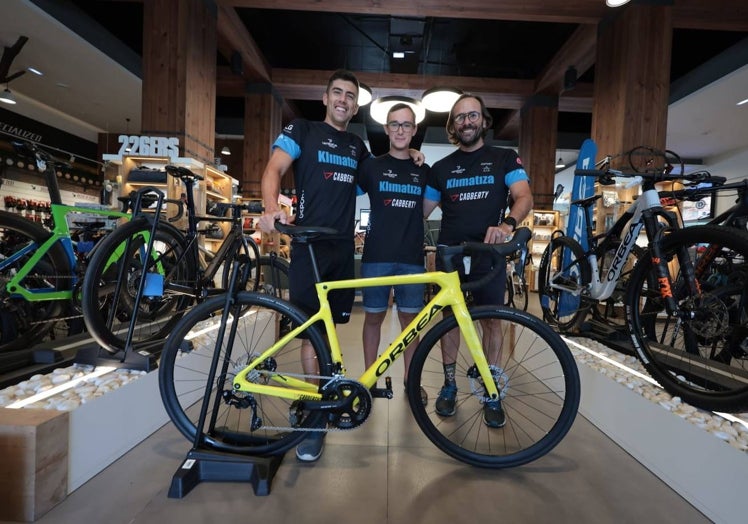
{"type": "Point", "coordinates": [511, 221]}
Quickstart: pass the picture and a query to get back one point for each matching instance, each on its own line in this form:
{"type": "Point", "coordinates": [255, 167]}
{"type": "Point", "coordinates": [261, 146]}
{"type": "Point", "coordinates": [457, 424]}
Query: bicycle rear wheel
{"type": "Point", "coordinates": [254, 424]}
{"type": "Point", "coordinates": [700, 353]}
{"type": "Point", "coordinates": [538, 382]}
{"type": "Point", "coordinates": [563, 264]}
{"type": "Point", "coordinates": [113, 277]}
{"type": "Point", "coordinates": [24, 323]}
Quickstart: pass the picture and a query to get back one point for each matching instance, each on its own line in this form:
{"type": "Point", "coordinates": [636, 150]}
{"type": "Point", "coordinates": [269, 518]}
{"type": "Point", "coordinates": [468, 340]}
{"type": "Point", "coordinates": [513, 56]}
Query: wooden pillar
{"type": "Point", "coordinates": [632, 79]}
{"type": "Point", "coordinates": [179, 74]}
{"type": "Point", "coordinates": [263, 113]}
{"type": "Point", "coordinates": [537, 146]}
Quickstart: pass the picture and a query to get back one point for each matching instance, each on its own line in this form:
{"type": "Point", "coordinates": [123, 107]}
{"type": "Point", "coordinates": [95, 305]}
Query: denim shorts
{"type": "Point", "coordinates": [409, 299]}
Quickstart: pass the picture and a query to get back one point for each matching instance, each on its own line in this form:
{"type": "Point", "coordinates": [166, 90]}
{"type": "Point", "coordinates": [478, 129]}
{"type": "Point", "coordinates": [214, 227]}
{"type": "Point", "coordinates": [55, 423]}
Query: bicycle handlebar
{"type": "Point", "coordinates": [605, 176]}
{"type": "Point", "coordinates": [498, 252]}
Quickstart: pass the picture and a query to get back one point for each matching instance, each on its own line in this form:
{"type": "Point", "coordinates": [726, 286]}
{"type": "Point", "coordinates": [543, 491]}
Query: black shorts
{"type": "Point", "coordinates": [335, 262]}
{"type": "Point", "coordinates": [490, 294]}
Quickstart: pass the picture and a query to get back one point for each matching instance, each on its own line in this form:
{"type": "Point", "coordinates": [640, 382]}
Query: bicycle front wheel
{"type": "Point", "coordinates": [700, 352]}
{"type": "Point", "coordinates": [112, 284]}
{"type": "Point", "coordinates": [235, 421]}
{"type": "Point", "coordinates": [537, 378]}
{"type": "Point", "coordinates": [562, 274]}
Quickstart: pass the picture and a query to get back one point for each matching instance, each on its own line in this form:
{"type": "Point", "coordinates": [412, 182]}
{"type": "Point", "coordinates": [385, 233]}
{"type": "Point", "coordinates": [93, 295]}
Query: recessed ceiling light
{"type": "Point", "coordinates": [742, 102]}
{"type": "Point", "coordinates": [34, 70]}
{"type": "Point", "coordinates": [398, 54]}
{"type": "Point", "coordinates": [64, 86]}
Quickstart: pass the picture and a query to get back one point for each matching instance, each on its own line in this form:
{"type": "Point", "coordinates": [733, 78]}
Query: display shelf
{"type": "Point", "coordinates": [544, 223]}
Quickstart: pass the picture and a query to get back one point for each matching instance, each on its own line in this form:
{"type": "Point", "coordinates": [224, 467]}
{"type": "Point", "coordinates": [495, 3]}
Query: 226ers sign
{"type": "Point", "coordinates": [148, 145]}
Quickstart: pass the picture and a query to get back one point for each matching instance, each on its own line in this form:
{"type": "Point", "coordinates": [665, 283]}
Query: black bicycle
{"type": "Point", "coordinates": [147, 273]}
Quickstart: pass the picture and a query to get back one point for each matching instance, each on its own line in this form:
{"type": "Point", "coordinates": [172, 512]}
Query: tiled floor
{"type": "Point", "coordinates": [385, 472]}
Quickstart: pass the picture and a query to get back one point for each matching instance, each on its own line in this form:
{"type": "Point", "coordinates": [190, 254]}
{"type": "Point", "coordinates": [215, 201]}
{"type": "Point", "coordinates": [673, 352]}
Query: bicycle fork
{"type": "Point", "coordinates": [475, 347]}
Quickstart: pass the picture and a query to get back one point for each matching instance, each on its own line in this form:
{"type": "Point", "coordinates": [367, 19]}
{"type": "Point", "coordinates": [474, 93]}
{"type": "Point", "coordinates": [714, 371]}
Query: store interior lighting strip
{"type": "Point", "coordinates": [608, 360]}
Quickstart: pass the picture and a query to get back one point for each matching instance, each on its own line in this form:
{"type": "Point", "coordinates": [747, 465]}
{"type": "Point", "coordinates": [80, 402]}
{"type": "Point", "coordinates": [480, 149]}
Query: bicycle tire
{"type": "Point", "coordinates": [24, 323]}
{"type": "Point", "coordinates": [184, 380]}
{"type": "Point", "coordinates": [563, 259]}
{"type": "Point", "coordinates": [108, 319]}
{"type": "Point", "coordinates": [516, 299]}
{"type": "Point", "coordinates": [699, 355]}
{"type": "Point", "coordinates": [539, 384]}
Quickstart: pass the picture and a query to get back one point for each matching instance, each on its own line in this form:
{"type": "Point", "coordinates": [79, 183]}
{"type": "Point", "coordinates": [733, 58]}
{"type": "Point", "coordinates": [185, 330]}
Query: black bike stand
{"type": "Point", "coordinates": [205, 465]}
{"type": "Point", "coordinates": [141, 360]}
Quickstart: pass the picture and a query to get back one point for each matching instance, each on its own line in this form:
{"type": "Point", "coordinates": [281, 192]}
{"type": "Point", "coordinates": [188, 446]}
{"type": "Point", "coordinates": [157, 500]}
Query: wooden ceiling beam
{"type": "Point", "coordinates": [723, 15]}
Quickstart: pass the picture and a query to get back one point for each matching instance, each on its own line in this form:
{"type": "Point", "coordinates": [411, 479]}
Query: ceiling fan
{"type": "Point", "coordinates": [9, 54]}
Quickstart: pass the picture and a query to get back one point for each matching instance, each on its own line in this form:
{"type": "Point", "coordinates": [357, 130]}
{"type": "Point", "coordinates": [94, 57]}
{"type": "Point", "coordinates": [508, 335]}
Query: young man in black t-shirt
{"type": "Point", "coordinates": [394, 235]}
{"type": "Point", "coordinates": [472, 186]}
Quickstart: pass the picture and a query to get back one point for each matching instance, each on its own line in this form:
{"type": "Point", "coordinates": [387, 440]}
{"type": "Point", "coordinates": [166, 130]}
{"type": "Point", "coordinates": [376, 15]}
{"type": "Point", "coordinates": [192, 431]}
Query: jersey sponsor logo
{"type": "Point", "coordinates": [329, 143]}
{"type": "Point", "coordinates": [471, 195]}
{"type": "Point", "coordinates": [458, 170]}
{"type": "Point", "coordinates": [486, 167]}
{"type": "Point", "coordinates": [389, 174]}
{"type": "Point", "coordinates": [325, 157]}
{"type": "Point", "coordinates": [519, 161]}
{"type": "Point", "coordinates": [288, 128]}
{"type": "Point", "coordinates": [478, 180]}
{"type": "Point", "coordinates": [400, 202]}
{"type": "Point", "coordinates": [385, 186]}
{"type": "Point", "coordinates": [338, 177]}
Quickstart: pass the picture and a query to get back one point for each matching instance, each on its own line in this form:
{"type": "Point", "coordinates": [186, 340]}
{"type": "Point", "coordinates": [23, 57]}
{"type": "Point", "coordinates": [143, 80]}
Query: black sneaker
{"type": "Point", "coordinates": [446, 401]}
{"type": "Point", "coordinates": [310, 449]}
{"type": "Point", "coordinates": [493, 414]}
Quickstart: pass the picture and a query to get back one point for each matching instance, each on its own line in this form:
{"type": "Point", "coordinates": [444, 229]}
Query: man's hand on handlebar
{"type": "Point", "coordinates": [267, 221]}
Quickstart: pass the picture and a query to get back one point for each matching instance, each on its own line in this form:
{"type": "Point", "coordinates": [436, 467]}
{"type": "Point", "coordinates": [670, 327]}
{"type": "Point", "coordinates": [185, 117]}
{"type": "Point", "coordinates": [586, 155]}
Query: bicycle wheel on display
{"type": "Point", "coordinates": [564, 264]}
{"type": "Point", "coordinates": [254, 424]}
{"type": "Point", "coordinates": [113, 277]}
{"type": "Point", "coordinates": [699, 354]}
{"type": "Point", "coordinates": [516, 292]}
{"type": "Point", "coordinates": [538, 382]}
{"type": "Point", "coordinates": [22, 322]}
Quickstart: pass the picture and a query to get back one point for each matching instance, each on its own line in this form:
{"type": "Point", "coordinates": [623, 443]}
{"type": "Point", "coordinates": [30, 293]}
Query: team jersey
{"type": "Point", "coordinates": [395, 188]}
{"type": "Point", "coordinates": [325, 165]}
{"type": "Point", "coordinates": [472, 189]}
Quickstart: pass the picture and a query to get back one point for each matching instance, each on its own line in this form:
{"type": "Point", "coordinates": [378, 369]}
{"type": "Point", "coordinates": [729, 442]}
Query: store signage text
{"type": "Point", "coordinates": [20, 133]}
{"type": "Point", "coordinates": [148, 145]}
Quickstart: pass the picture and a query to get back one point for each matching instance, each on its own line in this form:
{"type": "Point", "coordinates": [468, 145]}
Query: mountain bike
{"type": "Point", "coordinates": [231, 378]}
{"type": "Point", "coordinates": [689, 323]}
{"type": "Point", "coordinates": [574, 281]}
{"type": "Point", "coordinates": [135, 289]}
{"type": "Point", "coordinates": [42, 270]}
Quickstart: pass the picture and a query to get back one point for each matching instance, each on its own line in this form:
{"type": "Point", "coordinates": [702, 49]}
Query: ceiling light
{"type": "Point", "coordinates": [440, 99]}
{"type": "Point", "coordinates": [35, 71]}
{"type": "Point", "coordinates": [381, 106]}
{"type": "Point", "coordinates": [225, 150]}
{"type": "Point", "coordinates": [743, 102]}
{"type": "Point", "coordinates": [560, 163]}
{"type": "Point", "coordinates": [364, 94]}
{"type": "Point", "coordinates": [616, 3]}
{"type": "Point", "coordinates": [7, 97]}
{"type": "Point", "coordinates": [398, 54]}
{"type": "Point", "coordinates": [127, 132]}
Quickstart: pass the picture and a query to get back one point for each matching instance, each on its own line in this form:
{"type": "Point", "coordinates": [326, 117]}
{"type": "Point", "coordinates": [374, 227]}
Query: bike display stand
{"type": "Point", "coordinates": [141, 360]}
{"type": "Point", "coordinates": [202, 465]}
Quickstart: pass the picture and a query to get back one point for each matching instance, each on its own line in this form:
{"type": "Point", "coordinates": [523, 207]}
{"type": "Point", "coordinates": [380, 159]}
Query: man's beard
{"type": "Point", "coordinates": [471, 142]}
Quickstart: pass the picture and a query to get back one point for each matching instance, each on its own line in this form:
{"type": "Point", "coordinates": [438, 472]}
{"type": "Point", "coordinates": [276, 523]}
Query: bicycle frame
{"type": "Point", "coordinates": [641, 213]}
{"type": "Point", "coordinates": [449, 295]}
{"type": "Point", "coordinates": [61, 234]}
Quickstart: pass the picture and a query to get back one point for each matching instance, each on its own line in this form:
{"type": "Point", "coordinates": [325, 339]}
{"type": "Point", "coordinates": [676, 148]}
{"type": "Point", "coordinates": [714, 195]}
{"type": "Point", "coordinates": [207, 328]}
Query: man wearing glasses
{"type": "Point", "coordinates": [473, 185]}
{"type": "Point", "coordinates": [394, 235]}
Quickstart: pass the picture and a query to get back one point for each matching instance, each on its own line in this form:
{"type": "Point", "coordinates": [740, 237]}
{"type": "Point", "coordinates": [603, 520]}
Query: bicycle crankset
{"type": "Point", "coordinates": [347, 402]}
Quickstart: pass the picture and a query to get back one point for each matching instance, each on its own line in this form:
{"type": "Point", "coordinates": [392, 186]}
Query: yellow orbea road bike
{"type": "Point", "coordinates": [232, 380]}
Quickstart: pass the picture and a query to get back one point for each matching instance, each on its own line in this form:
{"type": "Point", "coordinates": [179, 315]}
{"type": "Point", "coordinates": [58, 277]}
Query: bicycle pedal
{"type": "Point", "coordinates": [385, 392]}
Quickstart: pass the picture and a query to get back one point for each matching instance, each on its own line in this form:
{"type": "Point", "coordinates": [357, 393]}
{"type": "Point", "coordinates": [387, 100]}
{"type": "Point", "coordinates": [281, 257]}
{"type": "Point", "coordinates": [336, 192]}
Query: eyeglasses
{"type": "Point", "coordinates": [407, 126]}
{"type": "Point", "coordinates": [472, 116]}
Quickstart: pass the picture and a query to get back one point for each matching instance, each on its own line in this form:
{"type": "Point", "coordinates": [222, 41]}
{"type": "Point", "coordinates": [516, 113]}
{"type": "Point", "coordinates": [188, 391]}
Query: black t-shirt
{"type": "Point", "coordinates": [472, 189]}
{"type": "Point", "coordinates": [325, 164]}
{"type": "Point", "coordinates": [395, 188]}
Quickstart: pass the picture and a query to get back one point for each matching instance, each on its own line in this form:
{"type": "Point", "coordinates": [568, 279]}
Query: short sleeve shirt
{"type": "Point", "coordinates": [395, 188]}
{"type": "Point", "coordinates": [325, 165]}
{"type": "Point", "coordinates": [472, 189]}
